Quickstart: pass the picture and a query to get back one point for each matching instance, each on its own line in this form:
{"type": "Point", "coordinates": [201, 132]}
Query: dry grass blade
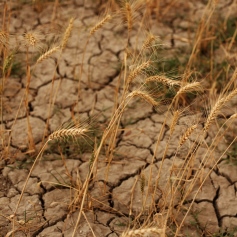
{"type": "Point", "coordinates": [100, 24]}
{"type": "Point", "coordinates": [67, 34]}
{"type": "Point", "coordinates": [65, 133]}
{"type": "Point", "coordinates": [187, 134]}
{"type": "Point", "coordinates": [145, 96]}
{"type": "Point", "coordinates": [137, 71]}
{"type": "Point", "coordinates": [47, 54]}
{"type": "Point", "coordinates": [163, 80]}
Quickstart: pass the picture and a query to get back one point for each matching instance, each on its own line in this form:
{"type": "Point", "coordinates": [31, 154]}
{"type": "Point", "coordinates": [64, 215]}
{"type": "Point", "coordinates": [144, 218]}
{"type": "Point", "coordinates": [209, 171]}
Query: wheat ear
{"type": "Point", "coordinates": [194, 86]}
{"type": "Point", "coordinates": [47, 54]}
{"type": "Point", "coordinates": [143, 95]}
{"type": "Point", "coordinates": [175, 119]}
{"type": "Point", "coordinates": [67, 34]}
{"type": "Point", "coordinates": [128, 12]}
{"type": "Point", "coordinates": [148, 42]}
{"type": "Point", "coordinates": [100, 24]}
{"type": "Point", "coordinates": [143, 232]}
{"type": "Point", "coordinates": [231, 95]}
{"type": "Point", "coordinates": [4, 38]}
{"type": "Point", "coordinates": [186, 135]}
{"type": "Point", "coordinates": [164, 80]}
{"type": "Point", "coordinates": [65, 133]}
{"type": "Point", "coordinates": [137, 71]}
{"type": "Point", "coordinates": [30, 39]}
{"type": "Point", "coordinates": [217, 107]}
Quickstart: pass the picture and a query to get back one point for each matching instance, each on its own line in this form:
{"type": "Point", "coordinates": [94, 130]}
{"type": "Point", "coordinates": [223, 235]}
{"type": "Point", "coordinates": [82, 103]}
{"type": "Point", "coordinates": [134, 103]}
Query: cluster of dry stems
{"type": "Point", "coordinates": [181, 88]}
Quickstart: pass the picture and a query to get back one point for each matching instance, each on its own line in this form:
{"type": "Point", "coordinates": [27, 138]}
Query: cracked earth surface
{"type": "Point", "coordinates": [44, 209]}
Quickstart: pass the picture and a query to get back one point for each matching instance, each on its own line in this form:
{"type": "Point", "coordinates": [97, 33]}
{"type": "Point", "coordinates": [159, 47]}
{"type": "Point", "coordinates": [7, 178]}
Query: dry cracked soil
{"type": "Point", "coordinates": [46, 207]}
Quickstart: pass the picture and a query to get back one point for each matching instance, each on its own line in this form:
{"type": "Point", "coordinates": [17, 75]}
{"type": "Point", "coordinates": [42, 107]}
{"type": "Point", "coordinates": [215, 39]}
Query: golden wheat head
{"type": "Point", "coordinates": [143, 232]}
{"type": "Point", "coordinates": [66, 133]}
{"type": "Point", "coordinates": [100, 24]}
{"type": "Point", "coordinates": [48, 54]}
{"type": "Point", "coordinates": [145, 96]}
{"type": "Point", "coordinates": [137, 71]}
{"type": "Point", "coordinates": [163, 80]}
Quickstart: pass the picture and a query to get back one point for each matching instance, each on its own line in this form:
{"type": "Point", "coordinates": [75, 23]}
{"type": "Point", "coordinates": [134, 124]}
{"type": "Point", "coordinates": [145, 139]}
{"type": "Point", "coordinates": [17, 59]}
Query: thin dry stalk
{"type": "Point", "coordinates": [137, 71]}
{"type": "Point", "coordinates": [145, 96]}
{"type": "Point", "coordinates": [186, 135]}
{"type": "Point", "coordinates": [202, 183]}
{"type": "Point", "coordinates": [143, 232]}
{"type": "Point", "coordinates": [47, 54]}
{"type": "Point", "coordinates": [67, 34]}
{"type": "Point", "coordinates": [163, 80]}
{"type": "Point", "coordinates": [100, 24]}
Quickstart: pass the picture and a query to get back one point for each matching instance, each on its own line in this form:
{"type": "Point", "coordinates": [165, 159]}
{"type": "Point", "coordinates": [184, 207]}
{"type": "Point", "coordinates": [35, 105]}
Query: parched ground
{"type": "Point", "coordinates": [48, 205]}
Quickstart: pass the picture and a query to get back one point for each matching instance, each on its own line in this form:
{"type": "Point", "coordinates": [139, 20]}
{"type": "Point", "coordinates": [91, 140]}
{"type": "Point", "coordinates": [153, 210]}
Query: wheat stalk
{"type": "Point", "coordinates": [143, 95]}
{"type": "Point", "coordinates": [100, 24]}
{"type": "Point", "coordinates": [164, 80]}
{"type": "Point", "coordinates": [47, 54]}
{"type": "Point", "coordinates": [67, 34]}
